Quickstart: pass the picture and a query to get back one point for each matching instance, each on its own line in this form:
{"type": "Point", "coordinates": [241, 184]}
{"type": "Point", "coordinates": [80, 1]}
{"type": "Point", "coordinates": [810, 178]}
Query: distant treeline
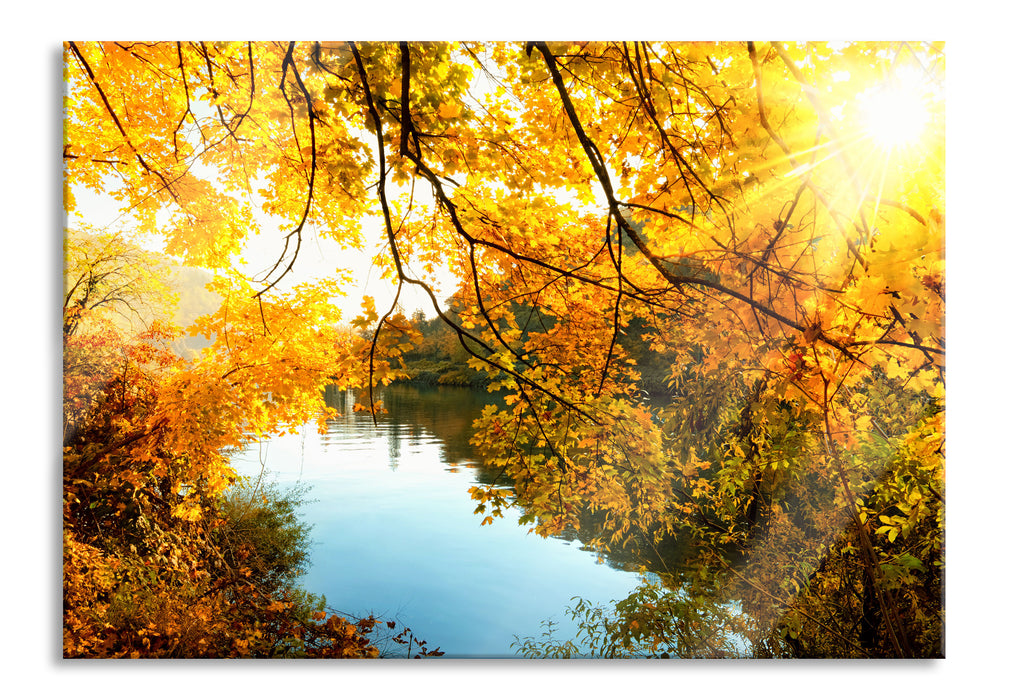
{"type": "Point", "coordinates": [438, 358]}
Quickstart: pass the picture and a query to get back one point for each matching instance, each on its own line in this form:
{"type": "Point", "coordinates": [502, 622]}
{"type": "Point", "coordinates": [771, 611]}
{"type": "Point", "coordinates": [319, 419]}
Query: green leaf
{"type": "Point", "coordinates": [910, 562]}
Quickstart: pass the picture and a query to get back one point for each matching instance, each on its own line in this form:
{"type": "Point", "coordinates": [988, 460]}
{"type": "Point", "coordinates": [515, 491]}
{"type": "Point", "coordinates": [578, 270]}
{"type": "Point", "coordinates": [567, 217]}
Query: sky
{"type": "Point", "coordinates": [318, 256]}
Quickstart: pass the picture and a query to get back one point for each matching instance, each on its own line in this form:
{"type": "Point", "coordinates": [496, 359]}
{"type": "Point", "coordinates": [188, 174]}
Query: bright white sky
{"type": "Point", "coordinates": [318, 257]}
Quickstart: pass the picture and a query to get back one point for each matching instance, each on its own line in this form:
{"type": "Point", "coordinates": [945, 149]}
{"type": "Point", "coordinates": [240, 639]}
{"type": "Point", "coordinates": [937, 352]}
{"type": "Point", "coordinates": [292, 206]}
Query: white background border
{"type": "Point", "coordinates": [977, 235]}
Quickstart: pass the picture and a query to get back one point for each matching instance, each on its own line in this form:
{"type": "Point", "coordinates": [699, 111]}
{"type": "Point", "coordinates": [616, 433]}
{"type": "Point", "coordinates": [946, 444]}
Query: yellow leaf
{"type": "Point", "coordinates": [449, 110]}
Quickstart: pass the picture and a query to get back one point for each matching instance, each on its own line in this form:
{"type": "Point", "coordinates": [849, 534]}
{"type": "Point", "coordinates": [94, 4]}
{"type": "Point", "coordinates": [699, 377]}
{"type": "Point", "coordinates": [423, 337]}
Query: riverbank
{"type": "Point", "coordinates": [449, 373]}
{"type": "Point", "coordinates": [444, 373]}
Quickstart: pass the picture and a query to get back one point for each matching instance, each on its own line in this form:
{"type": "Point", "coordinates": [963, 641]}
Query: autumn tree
{"type": "Point", "coordinates": [751, 207]}
{"type": "Point", "coordinates": [106, 272]}
{"type": "Point", "coordinates": [163, 557]}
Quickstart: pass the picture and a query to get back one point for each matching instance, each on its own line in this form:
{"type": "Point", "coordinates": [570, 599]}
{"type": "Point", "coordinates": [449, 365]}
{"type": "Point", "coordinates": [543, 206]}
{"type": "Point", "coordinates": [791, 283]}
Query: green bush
{"type": "Point", "coordinates": [263, 533]}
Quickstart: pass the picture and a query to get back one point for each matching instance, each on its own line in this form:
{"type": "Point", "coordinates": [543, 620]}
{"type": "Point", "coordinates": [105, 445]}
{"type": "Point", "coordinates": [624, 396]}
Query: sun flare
{"type": "Point", "coordinates": [894, 114]}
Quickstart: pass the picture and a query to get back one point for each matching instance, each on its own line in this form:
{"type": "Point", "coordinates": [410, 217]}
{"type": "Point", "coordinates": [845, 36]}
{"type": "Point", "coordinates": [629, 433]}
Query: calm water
{"type": "Point", "coordinates": [395, 533]}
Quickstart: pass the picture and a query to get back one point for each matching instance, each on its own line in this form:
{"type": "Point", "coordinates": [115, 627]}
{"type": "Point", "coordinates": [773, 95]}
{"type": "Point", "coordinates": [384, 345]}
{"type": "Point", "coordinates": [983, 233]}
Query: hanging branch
{"type": "Point", "coordinates": [592, 152]}
{"type": "Point", "coordinates": [618, 263]}
{"type": "Point", "coordinates": [312, 116]}
{"type": "Point", "coordinates": [112, 113]}
{"type": "Point", "coordinates": [468, 341]}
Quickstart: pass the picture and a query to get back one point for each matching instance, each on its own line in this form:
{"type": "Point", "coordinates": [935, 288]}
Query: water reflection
{"type": "Point", "coordinates": [396, 533]}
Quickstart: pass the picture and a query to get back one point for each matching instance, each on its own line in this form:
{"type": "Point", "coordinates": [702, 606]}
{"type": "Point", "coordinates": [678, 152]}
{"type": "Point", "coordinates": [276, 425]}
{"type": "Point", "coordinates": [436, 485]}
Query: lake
{"type": "Point", "coordinates": [395, 534]}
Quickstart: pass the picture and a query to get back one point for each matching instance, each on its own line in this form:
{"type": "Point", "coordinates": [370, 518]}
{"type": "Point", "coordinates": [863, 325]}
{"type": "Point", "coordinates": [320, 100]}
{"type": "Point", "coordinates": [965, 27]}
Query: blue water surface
{"type": "Point", "coordinates": [395, 533]}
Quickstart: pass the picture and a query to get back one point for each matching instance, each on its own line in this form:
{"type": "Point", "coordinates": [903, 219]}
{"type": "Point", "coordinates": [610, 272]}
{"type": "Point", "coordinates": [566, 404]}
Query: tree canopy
{"type": "Point", "coordinates": [767, 218]}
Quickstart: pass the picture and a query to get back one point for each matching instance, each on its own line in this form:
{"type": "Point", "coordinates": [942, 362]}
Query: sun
{"type": "Point", "coordinates": [895, 113]}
